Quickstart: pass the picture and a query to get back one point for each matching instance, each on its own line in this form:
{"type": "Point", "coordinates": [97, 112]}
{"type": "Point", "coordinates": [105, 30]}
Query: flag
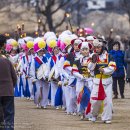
{"type": "Point", "coordinates": [49, 95]}
{"type": "Point", "coordinates": [58, 97]}
{"type": "Point", "coordinates": [27, 92]}
{"type": "Point", "coordinates": [84, 97]}
{"type": "Point", "coordinates": [101, 91]}
{"type": "Point", "coordinates": [16, 92]}
{"type": "Point", "coordinates": [80, 96]}
{"type": "Point", "coordinates": [88, 109]}
{"type": "Point", "coordinates": [21, 89]}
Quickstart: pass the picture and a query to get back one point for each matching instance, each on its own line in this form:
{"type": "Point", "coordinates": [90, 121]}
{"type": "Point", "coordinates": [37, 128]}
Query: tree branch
{"type": "Point", "coordinates": [44, 25]}
{"type": "Point", "coordinates": [43, 12]}
{"type": "Point", "coordinates": [62, 21]}
{"type": "Point", "coordinates": [62, 4]}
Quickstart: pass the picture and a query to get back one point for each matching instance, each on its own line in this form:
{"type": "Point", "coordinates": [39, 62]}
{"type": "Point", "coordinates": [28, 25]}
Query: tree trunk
{"type": "Point", "coordinates": [50, 20]}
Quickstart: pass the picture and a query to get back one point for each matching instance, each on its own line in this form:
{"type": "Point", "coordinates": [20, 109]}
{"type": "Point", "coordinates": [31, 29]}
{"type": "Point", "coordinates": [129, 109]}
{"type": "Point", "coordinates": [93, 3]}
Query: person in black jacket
{"type": "Point", "coordinates": [8, 80]}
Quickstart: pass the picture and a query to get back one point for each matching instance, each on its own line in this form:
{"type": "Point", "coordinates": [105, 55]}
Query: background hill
{"type": "Point", "coordinates": [13, 12]}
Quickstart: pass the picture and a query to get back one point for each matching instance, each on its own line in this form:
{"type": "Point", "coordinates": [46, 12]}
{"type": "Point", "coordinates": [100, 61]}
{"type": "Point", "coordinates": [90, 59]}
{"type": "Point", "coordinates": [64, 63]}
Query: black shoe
{"type": "Point", "coordinates": [122, 96]}
{"type": "Point", "coordinates": [115, 97]}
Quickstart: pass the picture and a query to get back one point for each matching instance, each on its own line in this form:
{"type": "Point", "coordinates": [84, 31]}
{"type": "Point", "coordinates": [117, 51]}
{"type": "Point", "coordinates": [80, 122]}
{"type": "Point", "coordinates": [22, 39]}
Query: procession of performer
{"type": "Point", "coordinates": [69, 72]}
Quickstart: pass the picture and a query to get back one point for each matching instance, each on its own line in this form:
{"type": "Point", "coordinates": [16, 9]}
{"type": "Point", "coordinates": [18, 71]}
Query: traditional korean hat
{"type": "Point", "coordinates": [39, 44]}
{"type": "Point", "coordinates": [84, 45]}
{"type": "Point", "coordinates": [11, 44]}
{"type": "Point", "coordinates": [97, 43]}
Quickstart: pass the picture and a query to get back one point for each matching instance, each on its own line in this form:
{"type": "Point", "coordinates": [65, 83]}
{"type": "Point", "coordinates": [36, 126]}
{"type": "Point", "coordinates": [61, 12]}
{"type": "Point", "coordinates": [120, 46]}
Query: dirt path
{"type": "Point", "coordinates": [29, 118]}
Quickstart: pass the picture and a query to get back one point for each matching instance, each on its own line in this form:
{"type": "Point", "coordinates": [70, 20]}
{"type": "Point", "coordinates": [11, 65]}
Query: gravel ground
{"type": "Point", "coordinates": [28, 117]}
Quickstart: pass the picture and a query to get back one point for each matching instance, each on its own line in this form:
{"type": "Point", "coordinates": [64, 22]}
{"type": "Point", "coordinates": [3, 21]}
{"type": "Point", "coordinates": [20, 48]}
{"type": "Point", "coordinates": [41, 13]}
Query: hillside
{"type": "Point", "coordinates": [13, 13]}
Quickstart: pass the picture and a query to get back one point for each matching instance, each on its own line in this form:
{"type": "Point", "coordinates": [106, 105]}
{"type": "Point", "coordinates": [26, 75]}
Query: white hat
{"type": "Point", "coordinates": [36, 40]}
{"type": "Point", "coordinates": [49, 34]}
{"type": "Point", "coordinates": [26, 39]}
{"type": "Point", "coordinates": [74, 36]}
{"type": "Point", "coordinates": [96, 42]}
{"type": "Point", "coordinates": [21, 41]}
{"type": "Point", "coordinates": [90, 38]}
{"type": "Point", "coordinates": [51, 38]}
{"type": "Point", "coordinates": [66, 39]}
{"type": "Point", "coordinates": [78, 41]}
{"type": "Point", "coordinates": [13, 43]}
{"type": "Point", "coordinates": [51, 41]}
{"type": "Point", "coordinates": [68, 32]}
{"type": "Point", "coordinates": [85, 45]}
{"type": "Point", "coordinates": [82, 38]}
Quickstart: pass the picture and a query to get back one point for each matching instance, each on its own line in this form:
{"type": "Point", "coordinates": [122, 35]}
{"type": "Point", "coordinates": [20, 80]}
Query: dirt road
{"type": "Point", "coordinates": [28, 117]}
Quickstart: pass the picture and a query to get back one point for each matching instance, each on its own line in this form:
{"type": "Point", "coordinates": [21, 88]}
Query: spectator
{"type": "Point", "coordinates": [8, 80]}
{"type": "Point", "coordinates": [119, 74]}
{"type": "Point", "coordinates": [127, 60]}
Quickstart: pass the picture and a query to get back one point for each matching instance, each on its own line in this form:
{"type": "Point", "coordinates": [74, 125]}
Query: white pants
{"type": "Point", "coordinates": [63, 96]}
{"type": "Point", "coordinates": [96, 104]}
{"type": "Point", "coordinates": [38, 92]}
{"type": "Point", "coordinates": [30, 87]}
{"type": "Point", "coordinates": [24, 83]}
{"type": "Point", "coordinates": [45, 92]}
{"type": "Point", "coordinates": [44, 86]}
{"type": "Point", "coordinates": [54, 88]}
{"type": "Point", "coordinates": [70, 97]}
{"type": "Point", "coordinates": [20, 87]}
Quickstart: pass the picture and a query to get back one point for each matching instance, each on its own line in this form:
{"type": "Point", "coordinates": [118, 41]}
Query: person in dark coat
{"type": "Point", "coordinates": [127, 60]}
{"type": "Point", "coordinates": [8, 80]}
{"type": "Point", "coordinates": [119, 74]}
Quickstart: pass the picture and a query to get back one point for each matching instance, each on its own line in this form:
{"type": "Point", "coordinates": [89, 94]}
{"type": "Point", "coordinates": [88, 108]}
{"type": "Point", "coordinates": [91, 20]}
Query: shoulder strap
{"type": "Point", "coordinates": [38, 60]}
{"type": "Point", "coordinates": [24, 59]}
{"type": "Point", "coordinates": [54, 58]}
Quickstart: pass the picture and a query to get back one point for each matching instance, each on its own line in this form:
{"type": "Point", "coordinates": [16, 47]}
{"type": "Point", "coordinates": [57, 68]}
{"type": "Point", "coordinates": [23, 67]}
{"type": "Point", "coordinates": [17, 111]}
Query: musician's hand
{"type": "Point", "coordinates": [34, 81]}
{"type": "Point", "coordinates": [101, 70]}
{"type": "Point", "coordinates": [60, 83]}
{"type": "Point", "coordinates": [66, 83]}
{"type": "Point", "coordinates": [26, 77]}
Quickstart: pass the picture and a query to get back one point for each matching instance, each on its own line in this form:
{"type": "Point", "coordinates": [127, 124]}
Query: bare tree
{"type": "Point", "coordinates": [47, 8]}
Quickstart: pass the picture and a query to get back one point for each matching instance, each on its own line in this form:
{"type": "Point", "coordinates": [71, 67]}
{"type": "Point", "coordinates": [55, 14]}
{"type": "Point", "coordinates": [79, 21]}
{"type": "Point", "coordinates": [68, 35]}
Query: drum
{"type": "Point", "coordinates": [51, 74]}
{"type": "Point", "coordinates": [41, 70]}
